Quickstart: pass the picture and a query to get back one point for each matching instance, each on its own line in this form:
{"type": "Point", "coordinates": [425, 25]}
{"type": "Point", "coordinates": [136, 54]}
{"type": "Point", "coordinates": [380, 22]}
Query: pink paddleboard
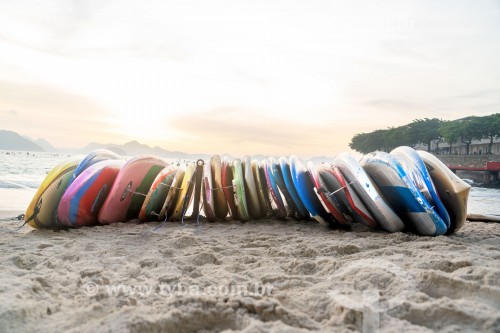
{"type": "Point", "coordinates": [208, 194]}
{"type": "Point", "coordinates": [83, 199]}
{"type": "Point", "coordinates": [130, 189]}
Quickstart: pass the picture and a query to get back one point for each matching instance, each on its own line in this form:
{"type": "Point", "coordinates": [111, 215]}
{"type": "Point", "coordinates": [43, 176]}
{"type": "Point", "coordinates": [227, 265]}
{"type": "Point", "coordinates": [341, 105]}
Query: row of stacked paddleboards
{"type": "Point", "coordinates": [404, 190]}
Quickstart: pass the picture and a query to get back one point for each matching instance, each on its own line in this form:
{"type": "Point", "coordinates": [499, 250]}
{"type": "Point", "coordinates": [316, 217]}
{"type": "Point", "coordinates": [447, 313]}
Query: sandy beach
{"type": "Point", "coordinates": [260, 276]}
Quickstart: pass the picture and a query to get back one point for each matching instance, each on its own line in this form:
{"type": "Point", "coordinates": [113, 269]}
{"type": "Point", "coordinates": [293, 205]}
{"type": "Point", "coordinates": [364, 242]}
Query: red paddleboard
{"type": "Point", "coordinates": [357, 209]}
{"type": "Point", "coordinates": [130, 189]}
{"type": "Point", "coordinates": [322, 194]}
{"type": "Point", "coordinates": [83, 199]}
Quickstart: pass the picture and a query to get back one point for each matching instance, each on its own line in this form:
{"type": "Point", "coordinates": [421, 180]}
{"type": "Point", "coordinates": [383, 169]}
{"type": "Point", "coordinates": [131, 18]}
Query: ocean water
{"type": "Point", "coordinates": [484, 201]}
{"type": "Point", "coordinates": [20, 175]}
{"type": "Point", "coordinates": [22, 172]}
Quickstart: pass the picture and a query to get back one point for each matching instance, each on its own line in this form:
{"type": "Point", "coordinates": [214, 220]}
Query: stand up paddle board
{"type": "Point", "coordinates": [305, 189]}
{"type": "Point", "coordinates": [265, 189]}
{"type": "Point", "coordinates": [220, 203]}
{"type": "Point", "coordinates": [198, 183]}
{"type": "Point", "coordinates": [354, 173]}
{"type": "Point", "coordinates": [251, 189]}
{"type": "Point", "coordinates": [157, 194]}
{"type": "Point", "coordinates": [173, 193]}
{"type": "Point", "coordinates": [329, 203]}
{"type": "Point", "coordinates": [84, 197]}
{"type": "Point", "coordinates": [239, 191]}
{"type": "Point", "coordinates": [42, 211]}
{"type": "Point", "coordinates": [93, 157]}
{"type": "Point", "coordinates": [349, 203]}
{"type": "Point", "coordinates": [403, 194]}
{"type": "Point", "coordinates": [130, 188]}
{"type": "Point", "coordinates": [452, 190]}
{"type": "Point", "coordinates": [261, 188]}
{"type": "Point", "coordinates": [415, 168]}
{"type": "Point", "coordinates": [185, 195]}
{"type": "Point", "coordinates": [208, 194]}
{"type": "Point", "coordinates": [227, 185]}
{"type": "Point", "coordinates": [280, 182]}
{"type": "Point", "coordinates": [277, 204]}
{"type": "Point", "coordinates": [302, 213]}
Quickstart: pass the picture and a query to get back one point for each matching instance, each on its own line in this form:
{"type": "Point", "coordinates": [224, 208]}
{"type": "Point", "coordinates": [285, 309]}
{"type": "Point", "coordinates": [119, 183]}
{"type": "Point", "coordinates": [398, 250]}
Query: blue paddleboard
{"type": "Point", "coordinates": [305, 189]}
{"type": "Point", "coordinates": [93, 157]}
{"type": "Point", "coordinates": [279, 210]}
{"type": "Point", "coordinates": [301, 210]}
{"type": "Point", "coordinates": [402, 194]}
{"type": "Point", "coordinates": [415, 167]}
{"type": "Point", "coordinates": [359, 180]}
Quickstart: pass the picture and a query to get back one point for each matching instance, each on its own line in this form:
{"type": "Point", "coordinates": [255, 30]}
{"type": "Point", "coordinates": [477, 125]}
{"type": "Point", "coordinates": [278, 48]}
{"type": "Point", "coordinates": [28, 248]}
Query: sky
{"type": "Point", "coordinates": [242, 77]}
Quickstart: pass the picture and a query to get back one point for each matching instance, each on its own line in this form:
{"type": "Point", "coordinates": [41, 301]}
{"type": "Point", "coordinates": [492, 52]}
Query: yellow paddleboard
{"type": "Point", "coordinates": [251, 189]}
{"type": "Point", "coordinates": [41, 212]}
{"type": "Point", "coordinates": [260, 189]}
{"type": "Point", "coordinates": [168, 206]}
{"type": "Point", "coordinates": [185, 194]}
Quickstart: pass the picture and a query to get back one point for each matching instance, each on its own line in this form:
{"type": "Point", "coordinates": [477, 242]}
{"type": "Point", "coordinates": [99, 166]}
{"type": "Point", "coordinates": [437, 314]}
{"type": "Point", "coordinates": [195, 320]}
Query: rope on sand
{"type": "Point", "coordinates": [19, 218]}
{"type": "Point", "coordinates": [483, 218]}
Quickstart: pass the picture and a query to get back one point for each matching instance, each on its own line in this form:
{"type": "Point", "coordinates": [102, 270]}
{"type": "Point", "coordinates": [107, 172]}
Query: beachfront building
{"type": "Point", "coordinates": [477, 147]}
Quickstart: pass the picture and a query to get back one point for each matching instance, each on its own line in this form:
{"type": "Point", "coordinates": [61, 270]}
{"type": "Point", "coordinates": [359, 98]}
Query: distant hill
{"type": "Point", "coordinates": [109, 146]}
{"type": "Point", "coordinates": [133, 148]}
{"type": "Point", "coordinates": [12, 141]}
{"type": "Point", "coordinates": [46, 145]}
{"type": "Point", "coordinates": [136, 148]}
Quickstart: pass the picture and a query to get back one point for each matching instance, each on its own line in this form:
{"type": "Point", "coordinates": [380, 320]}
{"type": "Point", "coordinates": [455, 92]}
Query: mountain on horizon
{"type": "Point", "coordinates": [46, 145]}
{"type": "Point", "coordinates": [13, 141]}
{"type": "Point", "coordinates": [10, 140]}
{"type": "Point", "coordinates": [134, 147]}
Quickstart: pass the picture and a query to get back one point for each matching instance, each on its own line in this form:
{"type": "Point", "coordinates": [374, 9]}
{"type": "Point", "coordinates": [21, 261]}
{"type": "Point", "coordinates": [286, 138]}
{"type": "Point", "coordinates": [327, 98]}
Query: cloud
{"type": "Point", "coordinates": [243, 131]}
{"type": "Point", "coordinates": [481, 94]}
{"type": "Point", "coordinates": [46, 25]}
{"type": "Point", "coordinates": [393, 104]}
{"type": "Point", "coordinates": [301, 77]}
{"type": "Point", "coordinates": [53, 114]}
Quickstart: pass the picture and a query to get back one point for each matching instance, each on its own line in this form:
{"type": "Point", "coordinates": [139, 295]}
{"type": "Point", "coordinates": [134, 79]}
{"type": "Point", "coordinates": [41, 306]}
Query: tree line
{"type": "Point", "coordinates": [427, 131]}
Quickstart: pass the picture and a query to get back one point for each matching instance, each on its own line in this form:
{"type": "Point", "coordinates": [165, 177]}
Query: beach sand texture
{"type": "Point", "coordinates": [259, 276]}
